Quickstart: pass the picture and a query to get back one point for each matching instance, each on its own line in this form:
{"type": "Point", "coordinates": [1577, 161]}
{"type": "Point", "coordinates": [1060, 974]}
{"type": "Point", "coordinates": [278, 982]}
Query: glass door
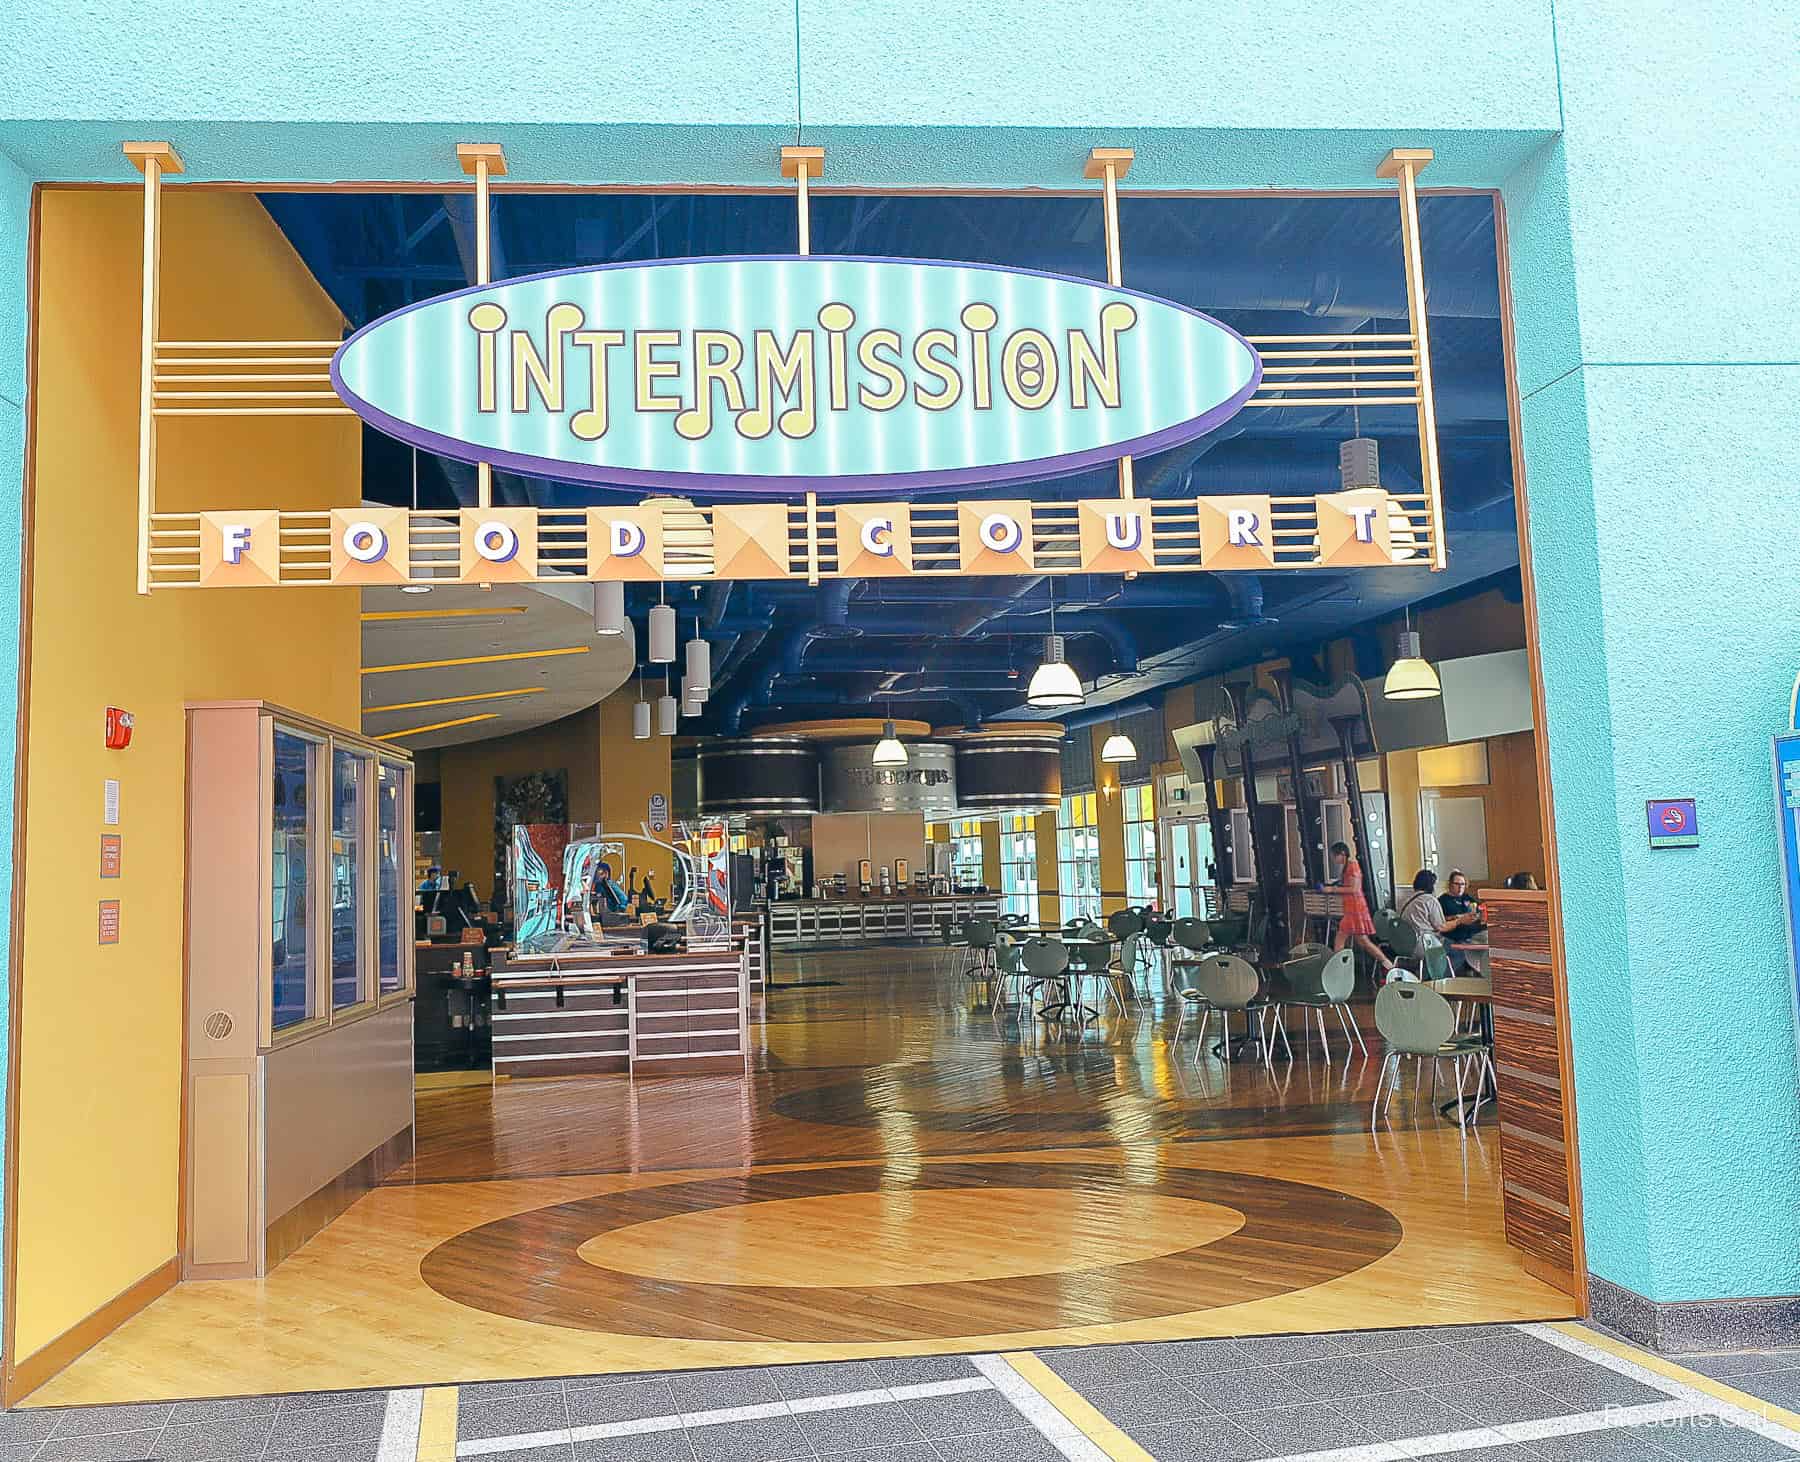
{"type": "Point", "coordinates": [1187, 852]}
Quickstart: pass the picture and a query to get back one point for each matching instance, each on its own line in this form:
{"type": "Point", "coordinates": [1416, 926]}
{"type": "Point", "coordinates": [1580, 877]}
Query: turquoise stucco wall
{"type": "Point", "coordinates": [1640, 150]}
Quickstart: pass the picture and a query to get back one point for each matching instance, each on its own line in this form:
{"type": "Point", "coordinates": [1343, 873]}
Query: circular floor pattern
{"type": "Point", "coordinates": [536, 1267]}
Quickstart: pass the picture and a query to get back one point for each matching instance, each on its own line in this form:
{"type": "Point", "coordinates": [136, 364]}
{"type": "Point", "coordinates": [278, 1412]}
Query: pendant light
{"type": "Point", "coordinates": [692, 700]}
{"type": "Point", "coordinates": [640, 714]}
{"type": "Point", "coordinates": [889, 751]}
{"type": "Point", "coordinates": [1119, 747]}
{"type": "Point", "coordinates": [666, 712]}
{"type": "Point", "coordinates": [609, 607]}
{"type": "Point", "coordinates": [699, 656]}
{"type": "Point", "coordinates": [1054, 684]}
{"type": "Point", "coordinates": [662, 634]}
{"type": "Point", "coordinates": [1411, 676]}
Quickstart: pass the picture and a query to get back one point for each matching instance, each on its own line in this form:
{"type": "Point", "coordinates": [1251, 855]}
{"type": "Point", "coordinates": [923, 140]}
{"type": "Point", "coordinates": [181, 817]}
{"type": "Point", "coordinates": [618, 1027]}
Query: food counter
{"type": "Point", "coordinates": [590, 1011]}
{"type": "Point", "coordinates": [850, 922]}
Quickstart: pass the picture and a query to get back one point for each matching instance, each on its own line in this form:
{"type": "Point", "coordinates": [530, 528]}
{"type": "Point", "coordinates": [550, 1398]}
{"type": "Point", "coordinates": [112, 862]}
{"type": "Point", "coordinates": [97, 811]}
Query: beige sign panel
{"type": "Point", "coordinates": [625, 543]}
{"type": "Point", "coordinates": [1115, 537]}
{"type": "Point", "coordinates": [499, 545]}
{"type": "Point", "coordinates": [1354, 528]}
{"type": "Point", "coordinates": [874, 540]}
{"type": "Point", "coordinates": [240, 549]}
{"type": "Point", "coordinates": [750, 541]}
{"type": "Point", "coordinates": [1237, 533]}
{"type": "Point", "coordinates": [995, 537]}
{"type": "Point", "coordinates": [369, 545]}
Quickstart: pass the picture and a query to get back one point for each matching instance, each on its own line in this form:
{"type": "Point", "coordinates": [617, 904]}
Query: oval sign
{"type": "Point", "coordinates": [748, 375]}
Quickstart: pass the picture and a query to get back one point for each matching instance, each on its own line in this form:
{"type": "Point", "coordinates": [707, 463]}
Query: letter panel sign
{"type": "Point", "coordinates": [753, 375]}
{"type": "Point", "coordinates": [874, 540]}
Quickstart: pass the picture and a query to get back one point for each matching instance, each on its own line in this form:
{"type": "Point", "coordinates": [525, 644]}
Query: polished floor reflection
{"type": "Point", "coordinates": [905, 1172]}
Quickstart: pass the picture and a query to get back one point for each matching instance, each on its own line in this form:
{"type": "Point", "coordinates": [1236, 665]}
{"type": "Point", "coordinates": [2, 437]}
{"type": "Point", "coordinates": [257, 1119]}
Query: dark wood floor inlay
{"type": "Point", "coordinates": [527, 1266]}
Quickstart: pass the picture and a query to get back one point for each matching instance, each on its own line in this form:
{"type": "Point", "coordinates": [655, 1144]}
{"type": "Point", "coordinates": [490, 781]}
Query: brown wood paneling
{"type": "Point", "coordinates": [586, 1066]}
{"type": "Point", "coordinates": [1540, 1118]}
{"type": "Point", "coordinates": [556, 1022]}
{"type": "Point", "coordinates": [1521, 986]}
{"type": "Point", "coordinates": [563, 1045]}
{"type": "Point", "coordinates": [1534, 1167]}
{"type": "Point", "coordinates": [714, 1043]}
{"type": "Point", "coordinates": [1540, 1231]}
{"type": "Point", "coordinates": [1528, 1045]}
{"type": "Point", "coordinates": [1518, 921]}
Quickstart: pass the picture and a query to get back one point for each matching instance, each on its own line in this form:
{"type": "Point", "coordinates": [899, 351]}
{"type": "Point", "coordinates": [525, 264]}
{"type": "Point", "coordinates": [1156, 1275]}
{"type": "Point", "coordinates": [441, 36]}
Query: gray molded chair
{"type": "Point", "coordinates": [980, 936]}
{"type": "Point", "coordinates": [1009, 968]}
{"type": "Point", "coordinates": [1194, 935]}
{"type": "Point", "coordinates": [1125, 923]}
{"type": "Point", "coordinates": [1046, 966]}
{"type": "Point", "coordinates": [1226, 983]}
{"type": "Point", "coordinates": [951, 946]}
{"type": "Point", "coordinates": [1321, 982]}
{"type": "Point", "coordinates": [1121, 973]}
{"type": "Point", "coordinates": [1418, 1024]}
{"type": "Point", "coordinates": [1434, 961]}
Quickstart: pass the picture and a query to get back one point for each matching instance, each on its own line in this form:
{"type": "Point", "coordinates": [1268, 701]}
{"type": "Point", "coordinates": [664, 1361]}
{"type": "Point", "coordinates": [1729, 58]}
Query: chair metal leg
{"type": "Point", "coordinates": [1180, 1022]}
{"type": "Point", "coordinates": [1200, 1044]}
{"type": "Point", "coordinates": [1388, 1061]}
{"type": "Point", "coordinates": [1324, 1040]}
{"type": "Point", "coordinates": [1351, 1029]}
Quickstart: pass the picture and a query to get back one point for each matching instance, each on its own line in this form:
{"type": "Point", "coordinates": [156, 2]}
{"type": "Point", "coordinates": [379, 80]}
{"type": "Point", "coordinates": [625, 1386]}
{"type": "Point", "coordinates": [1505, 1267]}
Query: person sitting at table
{"type": "Point", "coordinates": [1455, 900]}
{"type": "Point", "coordinates": [1523, 881]}
{"type": "Point", "coordinates": [1355, 921]}
{"type": "Point", "coordinates": [1422, 910]}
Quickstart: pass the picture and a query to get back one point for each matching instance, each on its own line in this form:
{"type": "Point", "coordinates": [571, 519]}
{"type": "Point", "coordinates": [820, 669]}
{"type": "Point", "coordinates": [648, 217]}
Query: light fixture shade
{"type": "Point", "coordinates": [691, 699]}
{"type": "Point", "coordinates": [1411, 677]}
{"type": "Point", "coordinates": [640, 721]}
{"type": "Point", "coordinates": [415, 588]}
{"type": "Point", "coordinates": [609, 608]}
{"type": "Point", "coordinates": [1055, 682]}
{"type": "Point", "coordinates": [699, 666]}
{"type": "Point", "coordinates": [662, 634]}
{"type": "Point", "coordinates": [889, 752]}
{"type": "Point", "coordinates": [1119, 748]}
{"type": "Point", "coordinates": [666, 713]}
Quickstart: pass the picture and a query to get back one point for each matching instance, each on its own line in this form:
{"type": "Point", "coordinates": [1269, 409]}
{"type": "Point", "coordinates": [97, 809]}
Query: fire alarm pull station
{"type": "Point", "coordinates": [118, 729]}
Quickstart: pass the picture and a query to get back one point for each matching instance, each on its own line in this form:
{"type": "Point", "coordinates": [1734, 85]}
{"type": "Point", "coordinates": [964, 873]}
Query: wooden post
{"type": "Point", "coordinates": [1404, 165]}
{"type": "Point", "coordinates": [152, 159]}
{"type": "Point", "coordinates": [1109, 164]}
{"type": "Point", "coordinates": [482, 161]}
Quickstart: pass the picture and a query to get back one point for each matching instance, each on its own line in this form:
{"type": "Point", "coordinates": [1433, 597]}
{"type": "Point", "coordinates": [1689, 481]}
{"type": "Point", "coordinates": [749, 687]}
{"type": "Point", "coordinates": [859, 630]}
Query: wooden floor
{"type": "Point", "coordinates": [903, 1173]}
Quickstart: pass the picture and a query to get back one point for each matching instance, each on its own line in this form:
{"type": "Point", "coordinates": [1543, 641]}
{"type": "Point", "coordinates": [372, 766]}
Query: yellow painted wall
{"type": "Point", "coordinates": [1049, 901]}
{"type": "Point", "coordinates": [99, 1029]}
{"type": "Point", "coordinates": [610, 778]}
{"type": "Point", "coordinates": [990, 854]}
{"type": "Point", "coordinates": [1109, 819]}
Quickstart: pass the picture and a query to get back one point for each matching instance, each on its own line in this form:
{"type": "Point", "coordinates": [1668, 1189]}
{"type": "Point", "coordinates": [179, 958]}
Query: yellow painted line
{"type": "Point", "coordinates": [1718, 1390]}
{"type": "Point", "coordinates": [437, 1425]}
{"type": "Point", "coordinates": [438, 726]}
{"type": "Point", "coordinates": [378, 616]}
{"type": "Point", "coordinates": [457, 700]}
{"type": "Point", "coordinates": [1077, 1408]}
{"type": "Point", "coordinates": [476, 660]}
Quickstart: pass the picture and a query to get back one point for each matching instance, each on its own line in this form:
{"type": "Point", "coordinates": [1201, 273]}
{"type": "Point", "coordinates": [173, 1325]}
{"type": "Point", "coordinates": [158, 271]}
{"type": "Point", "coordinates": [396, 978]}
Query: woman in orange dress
{"type": "Point", "coordinates": [1355, 921]}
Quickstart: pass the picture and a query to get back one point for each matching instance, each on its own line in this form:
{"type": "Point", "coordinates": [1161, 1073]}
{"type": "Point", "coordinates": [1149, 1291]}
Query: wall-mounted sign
{"type": "Point", "coordinates": [112, 854]}
{"type": "Point", "coordinates": [659, 812]}
{"type": "Point", "coordinates": [109, 921]}
{"type": "Point", "coordinates": [1673, 823]}
{"type": "Point", "coordinates": [751, 374]}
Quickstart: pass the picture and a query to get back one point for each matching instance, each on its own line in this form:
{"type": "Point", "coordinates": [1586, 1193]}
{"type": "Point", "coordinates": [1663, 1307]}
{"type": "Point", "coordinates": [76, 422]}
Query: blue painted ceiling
{"type": "Point", "coordinates": [951, 650]}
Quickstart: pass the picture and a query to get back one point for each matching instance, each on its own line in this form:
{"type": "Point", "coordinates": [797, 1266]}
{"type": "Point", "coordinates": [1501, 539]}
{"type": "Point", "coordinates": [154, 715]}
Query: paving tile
{"type": "Point", "coordinates": [511, 1390]}
{"type": "Point", "coordinates": [1101, 1365]}
{"type": "Point", "coordinates": [1708, 1439]}
{"type": "Point", "coordinates": [1619, 1444]}
{"type": "Point", "coordinates": [1146, 1402]}
{"type": "Point", "coordinates": [1280, 1350]}
{"type": "Point", "coordinates": [313, 1400]}
{"type": "Point", "coordinates": [1513, 1353]}
{"type": "Point", "coordinates": [95, 1421]}
{"type": "Point", "coordinates": [18, 1451]}
{"type": "Point", "coordinates": [764, 1439]}
{"type": "Point", "coordinates": [514, 1416]}
{"type": "Point", "coordinates": [1396, 1414]}
{"type": "Point", "coordinates": [107, 1447]}
{"type": "Point", "coordinates": [1507, 1453]}
{"type": "Point", "coordinates": [199, 1441]}
{"type": "Point", "coordinates": [561, 1452]}
{"type": "Point", "coordinates": [1028, 1445]}
{"type": "Point", "coordinates": [1457, 1360]}
{"type": "Point", "coordinates": [648, 1447]}
{"type": "Point", "coordinates": [1496, 1402]}
{"type": "Point", "coordinates": [1236, 1391]}
{"type": "Point", "coordinates": [1316, 1426]}
{"type": "Point", "coordinates": [1379, 1342]}
{"type": "Point", "coordinates": [719, 1390]}
{"type": "Point", "coordinates": [27, 1426]}
{"type": "Point", "coordinates": [859, 1428]}
{"type": "Point", "coordinates": [361, 1451]}
{"type": "Point", "coordinates": [963, 1414]}
{"type": "Point", "coordinates": [1340, 1377]}
{"type": "Point", "coordinates": [1204, 1439]}
{"type": "Point", "coordinates": [921, 1370]}
{"type": "Point", "coordinates": [1591, 1388]}
{"type": "Point", "coordinates": [909, 1452]}
{"type": "Point", "coordinates": [335, 1425]}
{"type": "Point", "coordinates": [1181, 1358]}
{"type": "Point", "coordinates": [1780, 1387]}
{"type": "Point", "coordinates": [828, 1378]}
{"type": "Point", "coordinates": [1741, 1362]}
{"type": "Point", "coordinates": [226, 1408]}
{"type": "Point", "coordinates": [594, 1405]}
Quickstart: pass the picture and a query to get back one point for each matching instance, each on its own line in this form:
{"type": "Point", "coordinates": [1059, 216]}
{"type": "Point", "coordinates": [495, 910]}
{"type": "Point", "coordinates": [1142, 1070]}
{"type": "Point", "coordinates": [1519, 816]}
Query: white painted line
{"type": "Point", "coordinates": [1367, 1452]}
{"type": "Point", "coordinates": [842, 1401]}
{"type": "Point", "coordinates": [1035, 1407]}
{"type": "Point", "coordinates": [709, 1418]}
{"type": "Point", "coordinates": [400, 1426]}
{"type": "Point", "coordinates": [1699, 1400]}
{"type": "Point", "coordinates": [482, 1446]}
{"type": "Point", "coordinates": [1597, 1421]}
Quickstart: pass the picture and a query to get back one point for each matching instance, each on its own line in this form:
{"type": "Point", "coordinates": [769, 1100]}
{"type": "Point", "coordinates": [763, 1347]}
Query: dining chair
{"type": "Point", "coordinates": [1121, 972]}
{"type": "Point", "coordinates": [1318, 982]}
{"type": "Point", "coordinates": [1226, 983]}
{"type": "Point", "coordinates": [980, 934]}
{"type": "Point", "coordinates": [1418, 1025]}
{"type": "Point", "coordinates": [1125, 922]}
{"type": "Point", "coordinates": [1193, 934]}
{"type": "Point", "coordinates": [1046, 964]}
{"type": "Point", "coordinates": [1008, 968]}
{"type": "Point", "coordinates": [951, 944]}
{"type": "Point", "coordinates": [1159, 933]}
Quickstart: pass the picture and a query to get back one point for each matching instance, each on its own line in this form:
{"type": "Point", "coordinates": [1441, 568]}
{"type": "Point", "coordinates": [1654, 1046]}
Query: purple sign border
{"type": "Point", "coordinates": [854, 485]}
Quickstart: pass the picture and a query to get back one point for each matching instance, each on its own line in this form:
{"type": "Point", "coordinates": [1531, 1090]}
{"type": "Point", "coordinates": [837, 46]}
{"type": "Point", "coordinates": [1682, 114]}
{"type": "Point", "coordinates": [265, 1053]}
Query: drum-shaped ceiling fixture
{"type": "Point", "coordinates": [759, 776]}
{"type": "Point", "coordinates": [1007, 767]}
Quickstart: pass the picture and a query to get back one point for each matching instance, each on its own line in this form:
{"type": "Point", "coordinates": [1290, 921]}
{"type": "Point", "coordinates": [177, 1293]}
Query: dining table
{"type": "Point", "coordinates": [1087, 939]}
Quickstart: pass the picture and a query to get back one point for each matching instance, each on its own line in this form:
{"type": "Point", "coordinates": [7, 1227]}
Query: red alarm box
{"type": "Point", "coordinates": [118, 729]}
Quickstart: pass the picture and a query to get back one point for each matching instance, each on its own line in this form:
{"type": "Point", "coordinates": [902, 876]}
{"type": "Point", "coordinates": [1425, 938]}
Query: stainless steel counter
{"type": "Point", "coordinates": [854, 923]}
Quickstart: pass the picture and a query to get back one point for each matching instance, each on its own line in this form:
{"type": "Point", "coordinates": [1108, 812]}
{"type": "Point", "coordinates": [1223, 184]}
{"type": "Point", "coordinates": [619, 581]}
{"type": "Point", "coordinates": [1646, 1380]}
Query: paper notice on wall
{"type": "Point", "coordinates": [112, 802]}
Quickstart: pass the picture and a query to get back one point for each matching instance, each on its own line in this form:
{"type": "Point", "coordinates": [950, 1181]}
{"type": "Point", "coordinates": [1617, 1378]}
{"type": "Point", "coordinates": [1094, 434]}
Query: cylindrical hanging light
{"type": "Point", "coordinates": [699, 664]}
{"type": "Point", "coordinates": [691, 699]}
{"type": "Point", "coordinates": [640, 721]}
{"type": "Point", "coordinates": [609, 607]}
{"type": "Point", "coordinates": [1055, 682]}
{"type": "Point", "coordinates": [890, 751]}
{"type": "Point", "coordinates": [1119, 748]}
{"type": "Point", "coordinates": [1411, 677]}
{"type": "Point", "coordinates": [662, 634]}
{"type": "Point", "coordinates": [666, 713]}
